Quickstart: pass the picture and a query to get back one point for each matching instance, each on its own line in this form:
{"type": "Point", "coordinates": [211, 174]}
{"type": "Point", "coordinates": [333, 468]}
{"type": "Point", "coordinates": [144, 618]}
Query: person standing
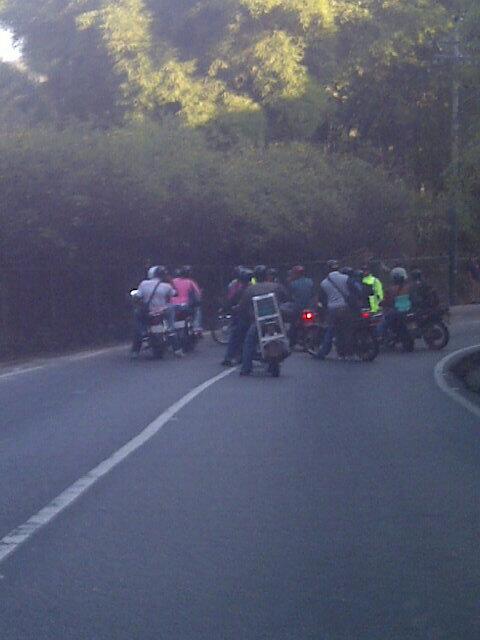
{"type": "Point", "coordinates": [247, 317]}
{"type": "Point", "coordinates": [338, 295]}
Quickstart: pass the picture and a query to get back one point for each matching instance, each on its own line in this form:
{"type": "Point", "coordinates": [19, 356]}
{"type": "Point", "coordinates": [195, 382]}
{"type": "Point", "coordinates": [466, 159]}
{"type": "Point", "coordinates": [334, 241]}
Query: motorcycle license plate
{"type": "Point", "coordinates": [157, 328]}
{"type": "Point", "coordinates": [180, 324]}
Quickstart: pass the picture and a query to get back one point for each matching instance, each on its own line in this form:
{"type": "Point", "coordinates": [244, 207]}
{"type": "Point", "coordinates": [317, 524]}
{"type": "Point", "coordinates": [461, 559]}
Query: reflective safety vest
{"type": "Point", "coordinates": [375, 292]}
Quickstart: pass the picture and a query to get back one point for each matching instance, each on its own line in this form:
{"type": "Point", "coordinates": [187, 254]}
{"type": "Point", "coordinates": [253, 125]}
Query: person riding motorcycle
{"type": "Point", "coordinates": [237, 333]}
{"type": "Point", "coordinates": [189, 296]}
{"type": "Point", "coordinates": [301, 290]}
{"type": "Point", "coordinates": [374, 289]}
{"type": "Point", "coordinates": [155, 295]}
{"type": "Point", "coordinates": [396, 305]}
{"type": "Point", "coordinates": [246, 314]}
{"type": "Point", "coordinates": [423, 296]}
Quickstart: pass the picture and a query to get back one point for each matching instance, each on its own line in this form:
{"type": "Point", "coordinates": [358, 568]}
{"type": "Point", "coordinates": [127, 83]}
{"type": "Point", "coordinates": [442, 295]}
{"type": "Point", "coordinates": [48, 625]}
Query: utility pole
{"type": "Point", "coordinates": [455, 196]}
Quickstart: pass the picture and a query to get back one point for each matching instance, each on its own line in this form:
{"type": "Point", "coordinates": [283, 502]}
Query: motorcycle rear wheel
{"type": "Point", "coordinates": [157, 351]}
{"type": "Point", "coordinates": [312, 340]}
{"type": "Point", "coordinates": [436, 335]}
{"type": "Point", "coordinates": [274, 370]}
{"type": "Point", "coordinates": [367, 347]}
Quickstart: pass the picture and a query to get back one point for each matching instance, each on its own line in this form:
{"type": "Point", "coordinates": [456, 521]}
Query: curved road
{"type": "Point", "coordinates": [340, 502]}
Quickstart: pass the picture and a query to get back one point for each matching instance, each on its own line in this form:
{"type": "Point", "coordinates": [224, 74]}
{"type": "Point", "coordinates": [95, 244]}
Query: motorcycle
{"type": "Point", "coordinates": [429, 325]}
{"type": "Point", "coordinates": [308, 330]}
{"type": "Point", "coordinates": [157, 334]}
{"type": "Point", "coordinates": [272, 339]}
{"type": "Point", "coordinates": [362, 342]}
{"type": "Point", "coordinates": [222, 328]}
{"type": "Point", "coordinates": [185, 329]}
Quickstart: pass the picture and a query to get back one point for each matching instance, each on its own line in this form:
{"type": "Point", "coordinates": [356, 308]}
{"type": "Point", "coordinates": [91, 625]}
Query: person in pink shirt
{"type": "Point", "coordinates": [188, 295]}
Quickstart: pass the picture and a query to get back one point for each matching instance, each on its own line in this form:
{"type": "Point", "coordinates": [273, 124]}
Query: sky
{"type": "Point", "coordinates": [8, 53]}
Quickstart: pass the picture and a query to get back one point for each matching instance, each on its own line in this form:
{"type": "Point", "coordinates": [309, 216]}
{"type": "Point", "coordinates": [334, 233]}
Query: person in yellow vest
{"type": "Point", "coordinates": [373, 288]}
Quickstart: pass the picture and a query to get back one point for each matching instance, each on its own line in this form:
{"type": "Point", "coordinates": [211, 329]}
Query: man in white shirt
{"type": "Point", "coordinates": [156, 294]}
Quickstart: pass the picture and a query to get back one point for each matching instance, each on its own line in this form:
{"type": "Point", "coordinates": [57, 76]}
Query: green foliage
{"type": "Point", "coordinates": [83, 196]}
{"type": "Point", "coordinates": [369, 81]}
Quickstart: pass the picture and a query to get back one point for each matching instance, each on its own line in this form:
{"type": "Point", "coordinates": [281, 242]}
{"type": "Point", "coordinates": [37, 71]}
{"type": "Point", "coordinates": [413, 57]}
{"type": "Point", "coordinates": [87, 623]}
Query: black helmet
{"type": "Point", "coordinates": [333, 265]}
{"type": "Point", "coordinates": [245, 275]}
{"type": "Point", "coordinates": [347, 271]}
{"type": "Point", "coordinates": [416, 274]}
{"type": "Point", "coordinates": [260, 272]}
{"type": "Point", "coordinates": [273, 273]}
{"type": "Point", "coordinates": [185, 271]}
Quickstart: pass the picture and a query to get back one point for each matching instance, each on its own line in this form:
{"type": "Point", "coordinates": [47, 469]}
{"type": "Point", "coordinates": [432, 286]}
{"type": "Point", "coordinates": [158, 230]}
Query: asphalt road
{"type": "Point", "coordinates": [339, 502]}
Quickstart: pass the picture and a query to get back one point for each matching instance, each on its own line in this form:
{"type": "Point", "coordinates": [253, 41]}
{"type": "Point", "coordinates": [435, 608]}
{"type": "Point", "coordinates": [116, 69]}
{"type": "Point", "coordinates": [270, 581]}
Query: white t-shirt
{"type": "Point", "coordinates": [162, 295]}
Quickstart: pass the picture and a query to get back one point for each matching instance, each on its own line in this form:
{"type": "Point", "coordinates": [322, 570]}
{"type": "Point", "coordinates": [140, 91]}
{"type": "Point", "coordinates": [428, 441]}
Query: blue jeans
{"type": "Point", "coordinates": [327, 343]}
{"type": "Point", "coordinates": [339, 327]}
{"type": "Point", "coordinates": [249, 348]}
{"type": "Point", "coordinates": [237, 336]}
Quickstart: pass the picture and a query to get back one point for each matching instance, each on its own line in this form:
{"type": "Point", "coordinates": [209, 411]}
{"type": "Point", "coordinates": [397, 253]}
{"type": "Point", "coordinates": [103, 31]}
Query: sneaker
{"type": "Point", "coordinates": [178, 353]}
{"type": "Point", "coordinates": [227, 363]}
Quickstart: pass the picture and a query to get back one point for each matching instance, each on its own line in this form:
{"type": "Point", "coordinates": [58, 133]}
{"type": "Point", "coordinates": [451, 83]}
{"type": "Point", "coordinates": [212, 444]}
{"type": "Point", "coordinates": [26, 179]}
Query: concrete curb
{"type": "Point", "coordinates": [448, 382]}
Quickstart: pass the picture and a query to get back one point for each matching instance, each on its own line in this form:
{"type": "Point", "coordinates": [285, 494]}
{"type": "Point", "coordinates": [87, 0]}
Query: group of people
{"type": "Point", "coordinates": [162, 293]}
{"type": "Point", "coordinates": [343, 293]}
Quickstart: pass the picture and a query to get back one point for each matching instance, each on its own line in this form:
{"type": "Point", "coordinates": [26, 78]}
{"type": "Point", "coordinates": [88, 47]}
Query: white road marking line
{"type": "Point", "coordinates": [12, 541]}
{"type": "Point", "coordinates": [441, 371]}
{"type": "Point", "coordinates": [52, 362]}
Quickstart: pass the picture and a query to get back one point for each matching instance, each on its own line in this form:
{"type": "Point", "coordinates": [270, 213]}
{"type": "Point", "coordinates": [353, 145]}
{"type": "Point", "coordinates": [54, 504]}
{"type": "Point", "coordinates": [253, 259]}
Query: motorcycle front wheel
{"type": "Point", "coordinates": [436, 335]}
{"type": "Point", "coordinates": [222, 329]}
{"type": "Point", "coordinates": [312, 340]}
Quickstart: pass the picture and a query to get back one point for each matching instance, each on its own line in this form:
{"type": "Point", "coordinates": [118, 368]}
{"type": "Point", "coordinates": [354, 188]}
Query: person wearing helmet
{"type": "Point", "coordinates": [396, 305]}
{"type": "Point", "coordinates": [247, 317]}
{"type": "Point", "coordinates": [374, 289]}
{"type": "Point", "coordinates": [339, 297]}
{"type": "Point", "coordinates": [156, 293]}
{"type": "Point", "coordinates": [423, 296]}
{"type": "Point", "coordinates": [235, 292]}
{"type": "Point", "coordinates": [189, 296]}
{"type": "Point", "coordinates": [301, 293]}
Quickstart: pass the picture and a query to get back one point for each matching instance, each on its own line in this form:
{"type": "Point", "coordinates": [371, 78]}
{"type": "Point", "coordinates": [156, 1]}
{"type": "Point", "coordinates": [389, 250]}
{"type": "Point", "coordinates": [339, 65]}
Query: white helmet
{"type": "Point", "coordinates": [398, 275]}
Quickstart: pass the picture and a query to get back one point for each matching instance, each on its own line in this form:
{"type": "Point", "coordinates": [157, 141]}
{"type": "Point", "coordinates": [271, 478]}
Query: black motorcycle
{"type": "Point", "coordinates": [185, 329]}
{"type": "Point", "coordinates": [361, 342]}
{"type": "Point", "coordinates": [222, 327]}
{"type": "Point", "coordinates": [429, 325]}
{"type": "Point", "coordinates": [307, 332]}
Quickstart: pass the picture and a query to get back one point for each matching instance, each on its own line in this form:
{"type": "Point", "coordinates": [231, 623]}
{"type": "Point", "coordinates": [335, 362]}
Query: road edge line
{"type": "Point", "coordinates": [441, 372]}
{"type": "Point", "coordinates": [22, 534]}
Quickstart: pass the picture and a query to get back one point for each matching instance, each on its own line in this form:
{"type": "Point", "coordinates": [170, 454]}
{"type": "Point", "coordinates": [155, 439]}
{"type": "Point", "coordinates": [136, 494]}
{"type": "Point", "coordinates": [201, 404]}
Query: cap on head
{"type": "Point", "coordinates": [298, 271]}
{"type": "Point", "coordinates": [333, 265]}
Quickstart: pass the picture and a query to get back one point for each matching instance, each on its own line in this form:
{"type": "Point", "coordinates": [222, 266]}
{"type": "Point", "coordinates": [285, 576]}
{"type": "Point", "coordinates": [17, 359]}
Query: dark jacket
{"type": "Point", "coordinates": [245, 309]}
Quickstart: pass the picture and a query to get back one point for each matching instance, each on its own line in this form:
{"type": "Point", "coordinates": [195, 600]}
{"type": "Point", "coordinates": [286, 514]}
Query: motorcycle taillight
{"type": "Point", "coordinates": [308, 316]}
